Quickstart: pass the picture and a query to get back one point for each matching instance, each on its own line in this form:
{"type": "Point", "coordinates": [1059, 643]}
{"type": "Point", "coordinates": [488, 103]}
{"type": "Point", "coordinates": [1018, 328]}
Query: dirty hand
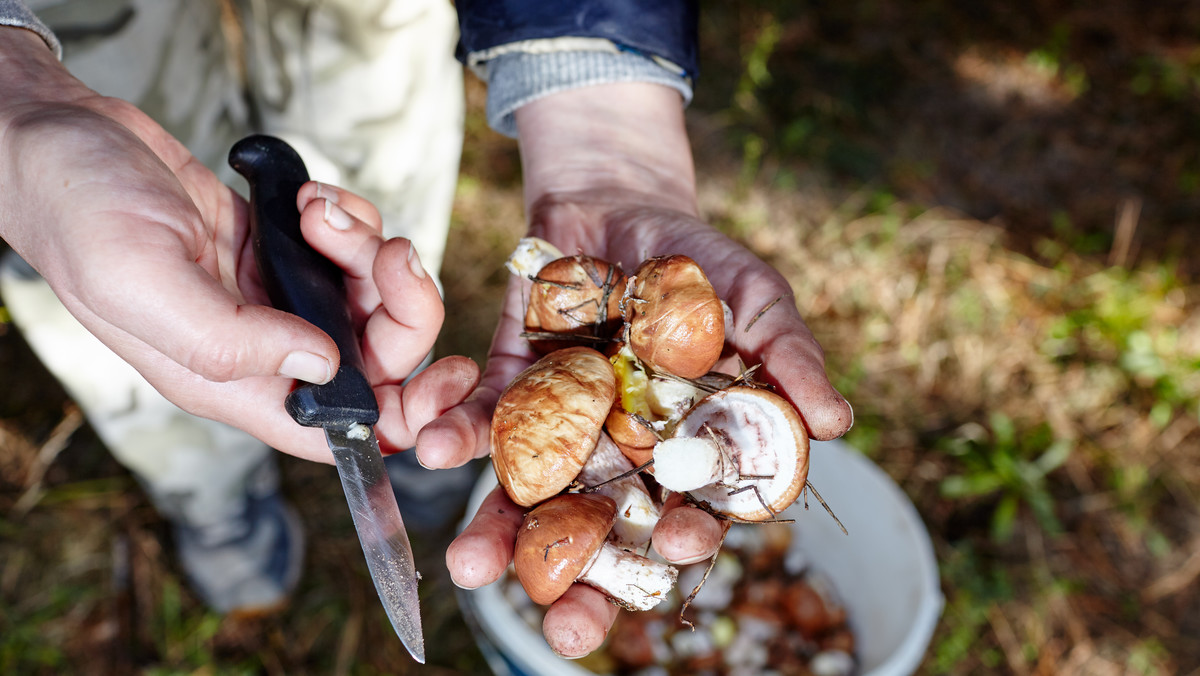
{"type": "Point", "coordinates": [148, 249]}
{"type": "Point", "coordinates": [608, 172]}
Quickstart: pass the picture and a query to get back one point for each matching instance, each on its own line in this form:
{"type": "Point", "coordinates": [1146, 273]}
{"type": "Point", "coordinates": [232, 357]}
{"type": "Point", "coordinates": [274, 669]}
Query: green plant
{"type": "Point", "coordinates": [977, 588]}
{"type": "Point", "coordinates": [1000, 462]}
{"type": "Point", "coordinates": [185, 635]}
{"type": "Point", "coordinates": [747, 106]}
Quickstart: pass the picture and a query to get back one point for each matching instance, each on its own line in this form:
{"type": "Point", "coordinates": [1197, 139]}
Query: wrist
{"type": "Point", "coordinates": [626, 136]}
{"type": "Point", "coordinates": [30, 71]}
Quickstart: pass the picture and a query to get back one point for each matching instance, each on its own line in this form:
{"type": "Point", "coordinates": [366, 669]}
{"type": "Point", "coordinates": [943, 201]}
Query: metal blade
{"type": "Point", "coordinates": [380, 530]}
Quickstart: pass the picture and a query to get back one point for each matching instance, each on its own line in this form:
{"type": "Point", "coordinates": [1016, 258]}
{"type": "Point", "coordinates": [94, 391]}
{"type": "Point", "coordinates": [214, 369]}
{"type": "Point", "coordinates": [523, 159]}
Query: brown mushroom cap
{"type": "Point", "coordinates": [548, 420]}
{"type": "Point", "coordinates": [558, 538]}
{"type": "Point", "coordinates": [574, 296]}
{"type": "Point", "coordinates": [676, 321]}
{"type": "Point", "coordinates": [635, 439]}
{"type": "Point", "coordinates": [763, 436]}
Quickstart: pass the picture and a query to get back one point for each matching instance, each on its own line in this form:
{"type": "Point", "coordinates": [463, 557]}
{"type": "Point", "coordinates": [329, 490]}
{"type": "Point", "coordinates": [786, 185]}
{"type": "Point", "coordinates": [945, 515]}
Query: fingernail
{"type": "Point", "coordinates": [335, 217]}
{"type": "Point", "coordinates": [414, 262]}
{"type": "Point", "coordinates": [306, 366]}
{"type": "Point", "coordinates": [323, 192]}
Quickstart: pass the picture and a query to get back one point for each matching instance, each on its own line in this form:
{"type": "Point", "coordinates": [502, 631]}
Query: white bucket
{"type": "Point", "coordinates": [884, 571]}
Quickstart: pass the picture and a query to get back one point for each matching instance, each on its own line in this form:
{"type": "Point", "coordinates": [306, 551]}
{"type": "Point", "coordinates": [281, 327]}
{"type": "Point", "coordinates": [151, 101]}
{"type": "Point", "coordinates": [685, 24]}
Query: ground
{"type": "Point", "coordinates": [988, 212]}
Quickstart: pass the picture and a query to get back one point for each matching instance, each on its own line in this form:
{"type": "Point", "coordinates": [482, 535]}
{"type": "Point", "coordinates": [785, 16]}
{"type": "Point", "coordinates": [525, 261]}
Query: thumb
{"type": "Point", "coordinates": [185, 314]}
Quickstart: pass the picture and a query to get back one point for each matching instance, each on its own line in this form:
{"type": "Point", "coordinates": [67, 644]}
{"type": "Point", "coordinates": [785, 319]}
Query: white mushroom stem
{"type": "Point", "coordinates": [632, 581]}
{"type": "Point", "coordinates": [687, 463]}
{"type": "Point", "coordinates": [636, 511]}
{"type": "Point", "coordinates": [531, 255]}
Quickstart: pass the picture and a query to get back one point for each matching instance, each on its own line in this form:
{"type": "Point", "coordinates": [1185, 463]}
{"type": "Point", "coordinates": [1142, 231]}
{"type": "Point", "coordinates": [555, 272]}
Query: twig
{"type": "Point", "coordinates": [569, 286]}
{"type": "Point", "coordinates": [565, 337]}
{"type": "Point", "coordinates": [1177, 579]}
{"type": "Point", "coordinates": [60, 436]}
{"type": "Point", "coordinates": [1007, 639]}
{"type": "Point", "coordinates": [762, 312]}
{"type": "Point", "coordinates": [692, 597]}
{"type": "Point", "coordinates": [1127, 222]}
{"type": "Point", "coordinates": [622, 475]}
{"type": "Point", "coordinates": [808, 485]}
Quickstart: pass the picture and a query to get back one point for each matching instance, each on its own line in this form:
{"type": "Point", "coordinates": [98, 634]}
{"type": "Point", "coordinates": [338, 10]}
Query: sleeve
{"type": "Point", "coordinates": [14, 13]}
{"type": "Point", "coordinates": [526, 49]}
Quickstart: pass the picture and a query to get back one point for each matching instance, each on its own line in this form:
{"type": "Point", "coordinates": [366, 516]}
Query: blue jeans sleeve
{"type": "Point", "coordinates": [526, 49]}
{"type": "Point", "coordinates": [664, 29]}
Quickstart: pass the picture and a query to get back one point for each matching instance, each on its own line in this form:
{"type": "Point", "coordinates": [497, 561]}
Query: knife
{"type": "Point", "coordinates": [303, 282]}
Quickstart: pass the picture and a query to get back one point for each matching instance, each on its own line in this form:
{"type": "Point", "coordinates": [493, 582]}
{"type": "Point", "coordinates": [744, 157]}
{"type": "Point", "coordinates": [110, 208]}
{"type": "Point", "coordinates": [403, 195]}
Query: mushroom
{"type": "Point", "coordinates": [563, 541]}
{"type": "Point", "coordinates": [637, 513]}
{"type": "Point", "coordinates": [629, 422]}
{"type": "Point", "coordinates": [531, 255]}
{"type": "Point", "coordinates": [574, 300]}
{"type": "Point", "coordinates": [742, 452]}
{"type": "Point", "coordinates": [676, 321]}
{"type": "Point", "coordinates": [649, 404]}
{"type": "Point", "coordinates": [548, 420]}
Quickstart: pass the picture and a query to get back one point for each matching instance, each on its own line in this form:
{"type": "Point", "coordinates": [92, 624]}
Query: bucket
{"type": "Point", "coordinates": [884, 572]}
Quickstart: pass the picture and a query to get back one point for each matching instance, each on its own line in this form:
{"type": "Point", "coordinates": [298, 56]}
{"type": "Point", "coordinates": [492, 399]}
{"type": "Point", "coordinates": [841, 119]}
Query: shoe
{"type": "Point", "coordinates": [248, 565]}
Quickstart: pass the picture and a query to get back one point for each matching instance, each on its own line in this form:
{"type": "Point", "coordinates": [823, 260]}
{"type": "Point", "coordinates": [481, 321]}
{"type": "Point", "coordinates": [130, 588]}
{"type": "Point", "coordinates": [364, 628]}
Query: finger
{"type": "Point", "coordinates": [399, 337]}
{"type": "Point", "coordinates": [250, 404]}
{"type": "Point", "coordinates": [578, 622]}
{"type": "Point", "coordinates": [404, 410]}
{"type": "Point", "coordinates": [184, 313]}
{"type": "Point", "coordinates": [461, 434]}
{"type": "Point", "coordinates": [685, 534]}
{"type": "Point", "coordinates": [350, 244]}
{"type": "Point", "coordinates": [482, 552]}
{"type": "Point", "coordinates": [795, 362]}
{"type": "Point", "coordinates": [464, 433]}
{"type": "Point", "coordinates": [826, 413]}
{"type": "Point", "coordinates": [358, 207]}
{"type": "Point", "coordinates": [768, 329]}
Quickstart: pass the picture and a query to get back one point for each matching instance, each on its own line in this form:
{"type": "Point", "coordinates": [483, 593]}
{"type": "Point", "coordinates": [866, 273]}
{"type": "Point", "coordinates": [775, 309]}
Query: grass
{"type": "Point", "coordinates": [987, 214]}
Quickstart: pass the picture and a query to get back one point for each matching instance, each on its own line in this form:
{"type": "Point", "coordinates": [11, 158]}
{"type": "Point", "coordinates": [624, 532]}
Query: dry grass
{"type": "Point", "coordinates": [932, 328]}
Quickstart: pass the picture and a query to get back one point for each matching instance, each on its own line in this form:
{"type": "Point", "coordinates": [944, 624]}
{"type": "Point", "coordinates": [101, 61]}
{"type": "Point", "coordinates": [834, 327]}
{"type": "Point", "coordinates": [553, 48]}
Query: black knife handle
{"type": "Point", "coordinates": [301, 281]}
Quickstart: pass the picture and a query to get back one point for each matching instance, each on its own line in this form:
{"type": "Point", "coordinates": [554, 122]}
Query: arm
{"type": "Point", "coordinates": [623, 149]}
{"type": "Point", "coordinates": [149, 251]}
{"type": "Point", "coordinates": [608, 171]}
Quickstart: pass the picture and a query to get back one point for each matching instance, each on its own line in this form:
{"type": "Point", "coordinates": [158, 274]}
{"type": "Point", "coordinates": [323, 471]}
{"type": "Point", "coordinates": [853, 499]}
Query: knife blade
{"type": "Point", "coordinates": [300, 280]}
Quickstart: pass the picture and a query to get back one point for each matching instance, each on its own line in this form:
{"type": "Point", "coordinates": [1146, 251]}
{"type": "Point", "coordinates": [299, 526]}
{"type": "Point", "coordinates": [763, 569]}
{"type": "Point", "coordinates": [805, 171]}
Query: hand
{"type": "Point", "coordinates": [149, 251]}
{"type": "Point", "coordinates": [608, 172]}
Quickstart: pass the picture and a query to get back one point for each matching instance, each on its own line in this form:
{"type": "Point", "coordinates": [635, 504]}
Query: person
{"type": "Point", "coordinates": [594, 92]}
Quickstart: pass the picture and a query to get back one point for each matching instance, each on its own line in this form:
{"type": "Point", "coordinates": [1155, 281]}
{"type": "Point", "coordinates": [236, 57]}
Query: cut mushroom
{"type": "Point", "coordinates": [648, 405]}
{"type": "Point", "coordinates": [548, 420]}
{"type": "Point", "coordinates": [563, 540]}
{"type": "Point", "coordinates": [746, 447]}
{"type": "Point", "coordinates": [637, 512]}
{"type": "Point", "coordinates": [629, 422]}
{"type": "Point", "coordinates": [676, 321]}
{"type": "Point", "coordinates": [688, 463]}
